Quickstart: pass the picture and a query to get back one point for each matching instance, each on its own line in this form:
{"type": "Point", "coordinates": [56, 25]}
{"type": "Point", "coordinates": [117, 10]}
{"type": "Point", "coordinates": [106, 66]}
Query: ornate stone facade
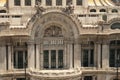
{"type": "Point", "coordinates": [52, 40]}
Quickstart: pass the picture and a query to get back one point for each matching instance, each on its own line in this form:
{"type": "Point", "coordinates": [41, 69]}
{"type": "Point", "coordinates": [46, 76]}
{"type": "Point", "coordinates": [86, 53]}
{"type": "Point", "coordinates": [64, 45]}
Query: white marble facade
{"type": "Point", "coordinates": [59, 39]}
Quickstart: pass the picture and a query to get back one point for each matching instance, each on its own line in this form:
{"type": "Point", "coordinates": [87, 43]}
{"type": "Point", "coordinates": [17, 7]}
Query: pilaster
{"type": "Point", "coordinates": [74, 2]}
{"type": "Point", "coordinates": [22, 3]}
{"type": "Point", "coordinates": [37, 56]}
{"type": "Point", "coordinates": [33, 3]}
{"type": "Point", "coordinates": [70, 49]}
{"type": "Point", "coordinates": [105, 55]}
{"type": "Point", "coordinates": [43, 2]}
{"type": "Point", "coordinates": [99, 51]}
{"type": "Point", "coordinates": [64, 3]}
{"type": "Point", "coordinates": [53, 2]}
{"type": "Point", "coordinates": [3, 58]}
{"type": "Point", "coordinates": [41, 56]}
{"type": "Point", "coordinates": [31, 56]}
{"type": "Point", "coordinates": [77, 61]}
{"type": "Point", "coordinates": [9, 57]}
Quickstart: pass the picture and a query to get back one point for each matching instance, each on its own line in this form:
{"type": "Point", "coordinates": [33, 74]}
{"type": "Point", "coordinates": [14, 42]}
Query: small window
{"type": "Point", "coordinates": [2, 11]}
{"type": "Point", "coordinates": [102, 10]}
{"type": "Point", "coordinates": [58, 2]}
{"type": "Point", "coordinates": [92, 10]}
{"type": "Point", "coordinates": [79, 2]}
{"type": "Point", "coordinates": [68, 2]}
{"type": "Point", "coordinates": [27, 2]}
{"type": "Point", "coordinates": [114, 11]}
{"type": "Point", "coordinates": [48, 2]}
{"type": "Point", "coordinates": [17, 2]}
{"type": "Point", "coordinates": [115, 25]}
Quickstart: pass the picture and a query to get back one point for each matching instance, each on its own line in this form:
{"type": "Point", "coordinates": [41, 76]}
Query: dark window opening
{"type": "Point", "coordinates": [27, 2]}
{"type": "Point", "coordinates": [58, 2]}
{"type": "Point", "coordinates": [17, 2]}
{"type": "Point", "coordinates": [88, 78]}
{"type": "Point", "coordinates": [92, 10]}
{"type": "Point", "coordinates": [102, 10]}
{"type": "Point", "coordinates": [2, 11]}
{"type": "Point", "coordinates": [115, 26]}
{"type": "Point", "coordinates": [48, 2]}
{"type": "Point", "coordinates": [79, 2]}
{"type": "Point", "coordinates": [114, 11]}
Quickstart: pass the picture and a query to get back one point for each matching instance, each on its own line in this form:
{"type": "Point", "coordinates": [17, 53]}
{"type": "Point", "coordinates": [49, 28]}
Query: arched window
{"type": "Point", "coordinates": [27, 2]}
{"type": "Point", "coordinates": [115, 25]}
{"type": "Point", "coordinates": [114, 11]}
{"type": "Point", "coordinates": [88, 54]}
{"type": "Point", "coordinates": [114, 53]}
{"type": "Point", "coordinates": [48, 2]}
{"type": "Point", "coordinates": [2, 11]}
{"type": "Point", "coordinates": [58, 2]}
{"type": "Point", "coordinates": [102, 10]}
{"type": "Point", "coordinates": [53, 52]}
{"type": "Point", "coordinates": [17, 2]}
{"type": "Point", "coordinates": [92, 10]}
{"type": "Point", "coordinates": [79, 2]}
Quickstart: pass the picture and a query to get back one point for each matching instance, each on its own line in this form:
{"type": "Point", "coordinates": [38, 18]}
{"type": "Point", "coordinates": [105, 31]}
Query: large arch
{"type": "Point", "coordinates": [66, 22]}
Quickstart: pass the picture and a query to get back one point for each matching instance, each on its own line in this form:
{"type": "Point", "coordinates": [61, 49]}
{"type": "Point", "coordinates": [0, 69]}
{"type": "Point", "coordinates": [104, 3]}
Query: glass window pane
{"type": "Point", "coordinates": [88, 78]}
{"type": "Point", "coordinates": [28, 2]}
{"type": "Point", "coordinates": [68, 2]}
{"type": "Point", "coordinates": [91, 57]}
{"type": "Point", "coordinates": [60, 58]}
{"type": "Point", "coordinates": [112, 58]}
{"type": "Point", "coordinates": [79, 2]}
{"type": "Point", "coordinates": [85, 58]}
{"type": "Point", "coordinates": [20, 59]}
{"type": "Point", "coordinates": [48, 2]}
{"type": "Point", "coordinates": [17, 2]}
{"type": "Point", "coordinates": [58, 2]}
{"type": "Point", "coordinates": [53, 58]}
{"type": "Point", "coordinates": [46, 59]}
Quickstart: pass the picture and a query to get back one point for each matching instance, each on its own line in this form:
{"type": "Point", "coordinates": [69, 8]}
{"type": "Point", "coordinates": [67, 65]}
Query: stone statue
{"type": "Point", "coordinates": [69, 9]}
{"type": "Point", "coordinates": [39, 8]}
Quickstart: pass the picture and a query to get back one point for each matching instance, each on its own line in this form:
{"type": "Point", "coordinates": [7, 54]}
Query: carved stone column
{"type": "Point", "coordinates": [31, 56]}
{"type": "Point", "coordinates": [105, 55]}
{"type": "Point", "coordinates": [64, 2]}
{"type": "Point", "coordinates": [33, 2]}
{"type": "Point", "coordinates": [9, 56]}
{"type": "Point", "coordinates": [43, 2]}
{"type": "Point", "coordinates": [77, 50]}
{"type": "Point", "coordinates": [70, 52]}
{"type": "Point", "coordinates": [37, 56]}
{"type": "Point", "coordinates": [98, 47]}
{"type": "Point", "coordinates": [41, 56]}
{"type": "Point", "coordinates": [53, 2]}
{"type": "Point", "coordinates": [3, 58]}
{"type": "Point", "coordinates": [22, 2]}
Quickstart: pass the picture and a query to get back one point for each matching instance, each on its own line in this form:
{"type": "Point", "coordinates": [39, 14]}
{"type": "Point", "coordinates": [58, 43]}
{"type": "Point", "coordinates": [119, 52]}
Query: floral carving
{"type": "Point", "coordinates": [53, 31]}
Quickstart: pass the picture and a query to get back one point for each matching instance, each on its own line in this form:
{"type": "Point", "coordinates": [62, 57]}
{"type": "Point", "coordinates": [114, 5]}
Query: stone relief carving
{"type": "Point", "coordinates": [53, 31]}
{"type": "Point", "coordinates": [69, 9]}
